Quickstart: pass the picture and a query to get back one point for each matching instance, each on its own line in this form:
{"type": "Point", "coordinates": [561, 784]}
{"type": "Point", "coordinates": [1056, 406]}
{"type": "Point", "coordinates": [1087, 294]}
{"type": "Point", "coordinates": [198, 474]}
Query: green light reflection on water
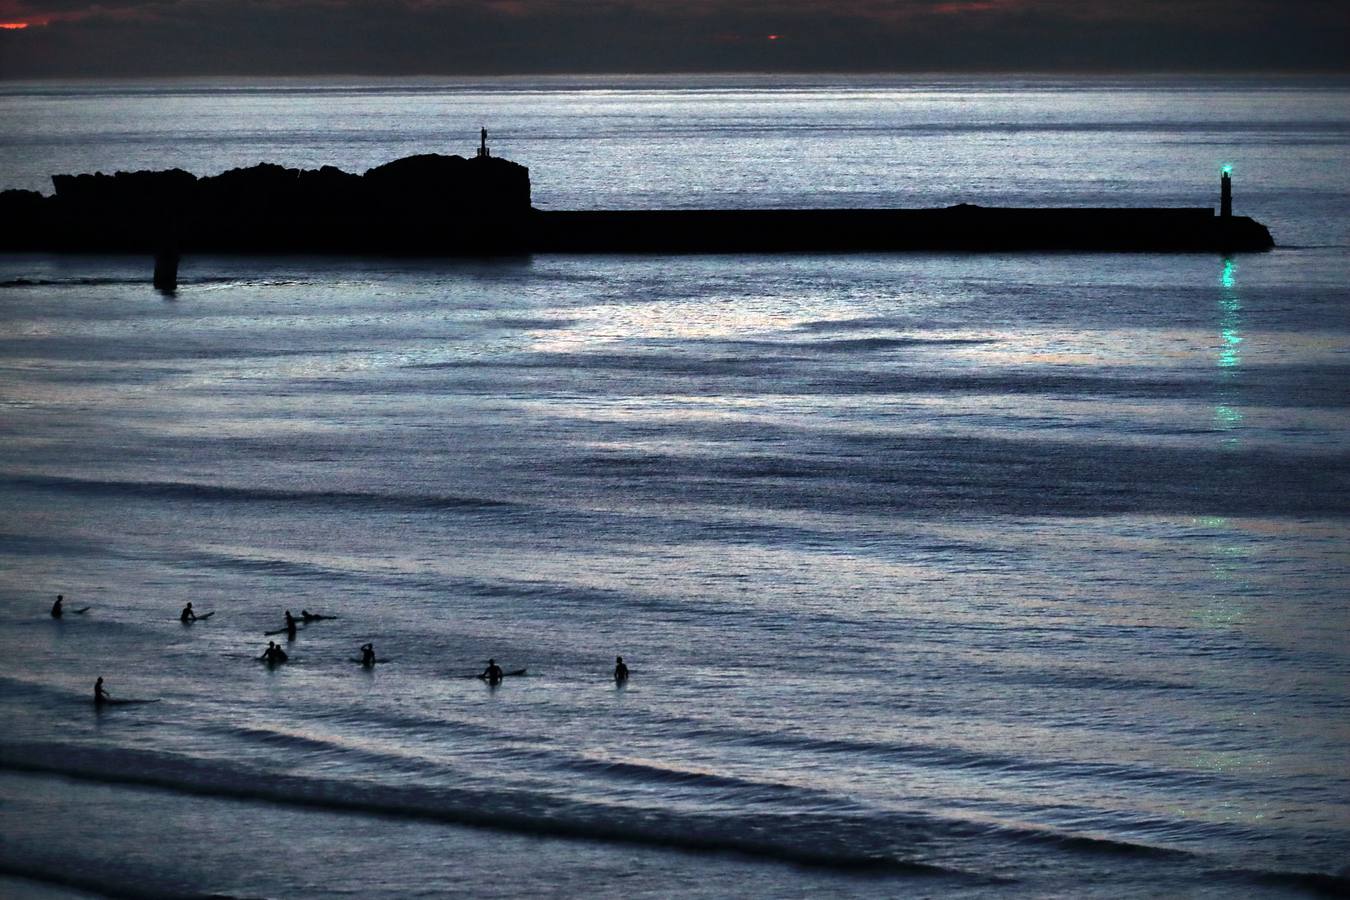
{"type": "Point", "coordinates": [1222, 607]}
{"type": "Point", "coordinates": [1227, 416]}
{"type": "Point", "coordinates": [1230, 316]}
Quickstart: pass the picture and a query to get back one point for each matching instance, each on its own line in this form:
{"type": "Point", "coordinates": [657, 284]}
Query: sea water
{"type": "Point", "coordinates": [940, 574]}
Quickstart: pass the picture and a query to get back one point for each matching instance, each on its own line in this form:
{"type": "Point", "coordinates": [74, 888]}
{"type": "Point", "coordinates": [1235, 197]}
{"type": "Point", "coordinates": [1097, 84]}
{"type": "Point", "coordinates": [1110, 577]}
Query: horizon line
{"type": "Point", "coordinates": [1343, 73]}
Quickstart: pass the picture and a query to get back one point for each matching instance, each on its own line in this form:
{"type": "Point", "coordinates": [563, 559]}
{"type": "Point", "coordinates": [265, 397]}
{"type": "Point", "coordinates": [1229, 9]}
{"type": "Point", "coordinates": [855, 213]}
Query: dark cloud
{"type": "Point", "coordinates": [391, 37]}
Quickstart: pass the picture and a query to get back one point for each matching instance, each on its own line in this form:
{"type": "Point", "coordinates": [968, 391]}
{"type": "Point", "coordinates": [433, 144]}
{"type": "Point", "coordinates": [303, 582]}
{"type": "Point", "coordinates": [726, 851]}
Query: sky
{"type": "Point", "coordinates": [121, 38]}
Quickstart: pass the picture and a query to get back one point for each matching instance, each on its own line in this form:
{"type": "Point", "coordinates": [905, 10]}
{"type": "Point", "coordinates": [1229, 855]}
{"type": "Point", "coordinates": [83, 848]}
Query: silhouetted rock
{"type": "Point", "coordinates": [23, 216]}
{"type": "Point", "coordinates": [131, 191]}
{"type": "Point", "coordinates": [422, 204]}
{"type": "Point", "coordinates": [20, 207]}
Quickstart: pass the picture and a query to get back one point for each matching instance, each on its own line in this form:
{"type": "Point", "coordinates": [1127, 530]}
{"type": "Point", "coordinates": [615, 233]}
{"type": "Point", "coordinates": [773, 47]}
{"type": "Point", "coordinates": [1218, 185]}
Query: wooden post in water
{"type": "Point", "coordinates": [166, 270]}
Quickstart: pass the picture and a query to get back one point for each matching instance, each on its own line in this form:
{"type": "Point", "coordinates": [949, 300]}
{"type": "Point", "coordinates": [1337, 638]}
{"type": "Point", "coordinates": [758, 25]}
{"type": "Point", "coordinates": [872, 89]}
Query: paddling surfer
{"type": "Point", "coordinates": [493, 673]}
{"type": "Point", "coordinates": [367, 655]}
{"type": "Point", "coordinates": [187, 615]}
{"type": "Point", "coordinates": [57, 611]}
{"type": "Point", "coordinates": [307, 616]}
{"type": "Point", "coordinates": [620, 670]}
{"type": "Point", "coordinates": [101, 696]}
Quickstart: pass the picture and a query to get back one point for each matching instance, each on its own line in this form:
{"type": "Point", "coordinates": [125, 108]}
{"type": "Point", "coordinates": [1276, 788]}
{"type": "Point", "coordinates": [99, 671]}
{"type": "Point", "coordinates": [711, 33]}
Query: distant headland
{"type": "Point", "coordinates": [435, 205]}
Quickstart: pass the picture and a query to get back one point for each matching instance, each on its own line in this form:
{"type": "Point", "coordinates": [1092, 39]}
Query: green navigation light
{"type": "Point", "coordinates": [1226, 169]}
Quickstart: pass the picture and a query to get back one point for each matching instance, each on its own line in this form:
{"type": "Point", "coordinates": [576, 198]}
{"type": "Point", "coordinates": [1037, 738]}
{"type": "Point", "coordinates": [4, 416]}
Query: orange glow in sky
{"type": "Point", "coordinates": [774, 37]}
{"type": "Point", "coordinates": [13, 26]}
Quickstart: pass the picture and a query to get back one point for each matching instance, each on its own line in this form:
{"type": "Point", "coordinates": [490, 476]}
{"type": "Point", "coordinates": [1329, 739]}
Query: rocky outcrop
{"type": "Point", "coordinates": [421, 204]}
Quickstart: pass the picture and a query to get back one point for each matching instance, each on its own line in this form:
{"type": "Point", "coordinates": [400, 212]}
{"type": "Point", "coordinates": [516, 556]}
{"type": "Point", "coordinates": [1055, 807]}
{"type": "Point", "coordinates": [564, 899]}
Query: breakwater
{"type": "Point", "coordinates": [435, 205]}
{"type": "Point", "coordinates": [960, 228]}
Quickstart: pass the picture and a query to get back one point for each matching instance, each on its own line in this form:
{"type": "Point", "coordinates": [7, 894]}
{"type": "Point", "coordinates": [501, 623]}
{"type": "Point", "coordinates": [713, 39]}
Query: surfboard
{"type": "Point", "coordinates": [279, 631]}
{"type": "Point", "coordinates": [378, 659]}
{"type": "Point", "coordinates": [80, 612]}
{"type": "Point", "coordinates": [512, 674]}
{"type": "Point", "coordinates": [128, 702]}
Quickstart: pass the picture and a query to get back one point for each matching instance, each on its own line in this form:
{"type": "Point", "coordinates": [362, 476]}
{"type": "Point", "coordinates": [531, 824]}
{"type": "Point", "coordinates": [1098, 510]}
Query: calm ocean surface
{"type": "Point", "coordinates": [949, 575]}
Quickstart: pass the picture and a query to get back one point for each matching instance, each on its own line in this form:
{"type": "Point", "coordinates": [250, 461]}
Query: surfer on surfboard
{"type": "Point", "coordinates": [100, 695]}
{"type": "Point", "coordinates": [620, 671]}
{"type": "Point", "coordinates": [290, 626]}
{"type": "Point", "coordinates": [187, 615]}
{"type": "Point", "coordinates": [307, 616]}
{"type": "Point", "coordinates": [493, 673]}
{"type": "Point", "coordinates": [367, 655]}
{"type": "Point", "coordinates": [58, 610]}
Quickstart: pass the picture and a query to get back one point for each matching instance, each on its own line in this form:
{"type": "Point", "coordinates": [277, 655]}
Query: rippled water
{"type": "Point", "coordinates": [963, 574]}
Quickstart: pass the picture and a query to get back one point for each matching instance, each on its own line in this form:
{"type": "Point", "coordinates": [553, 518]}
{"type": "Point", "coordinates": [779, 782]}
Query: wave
{"type": "Point", "coordinates": [829, 842]}
{"type": "Point", "coordinates": [316, 747]}
{"type": "Point", "coordinates": [530, 323]}
{"type": "Point", "coordinates": [609, 773]}
{"type": "Point", "coordinates": [654, 367]}
{"type": "Point", "coordinates": [102, 884]}
{"type": "Point", "coordinates": [67, 282]}
{"type": "Point", "coordinates": [192, 491]}
{"type": "Point", "coordinates": [857, 323]}
{"type": "Point", "coordinates": [781, 822]}
{"type": "Point", "coordinates": [953, 758]}
{"type": "Point", "coordinates": [950, 474]}
{"type": "Point", "coordinates": [141, 280]}
{"type": "Point", "coordinates": [1070, 680]}
{"type": "Point", "coordinates": [1319, 883]}
{"type": "Point", "coordinates": [1096, 845]}
{"type": "Point", "coordinates": [604, 770]}
{"type": "Point", "coordinates": [854, 345]}
{"type": "Point", "coordinates": [842, 837]}
{"type": "Point", "coordinates": [745, 789]}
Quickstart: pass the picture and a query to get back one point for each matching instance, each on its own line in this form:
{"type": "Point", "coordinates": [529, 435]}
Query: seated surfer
{"type": "Point", "coordinates": [290, 626]}
{"type": "Point", "coordinates": [187, 615]}
{"type": "Point", "coordinates": [100, 695]}
{"type": "Point", "coordinates": [367, 655]}
{"type": "Point", "coordinates": [56, 607]}
{"type": "Point", "coordinates": [493, 673]}
{"type": "Point", "coordinates": [273, 654]}
{"type": "Point", "coordinates": [620, 670]}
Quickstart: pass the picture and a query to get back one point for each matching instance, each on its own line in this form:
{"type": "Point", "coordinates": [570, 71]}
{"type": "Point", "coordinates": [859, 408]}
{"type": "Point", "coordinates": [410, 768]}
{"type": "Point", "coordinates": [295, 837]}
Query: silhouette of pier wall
{"type": "Point", "coordinates": [957, 228]}
{"type": "Point", "coordinates": [433, 205]}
